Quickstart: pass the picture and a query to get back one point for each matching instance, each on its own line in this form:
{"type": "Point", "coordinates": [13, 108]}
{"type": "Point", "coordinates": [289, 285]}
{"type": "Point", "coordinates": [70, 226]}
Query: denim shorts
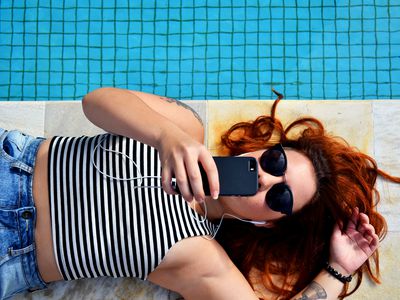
{"type": "Point", "coordinates": [18, 266]}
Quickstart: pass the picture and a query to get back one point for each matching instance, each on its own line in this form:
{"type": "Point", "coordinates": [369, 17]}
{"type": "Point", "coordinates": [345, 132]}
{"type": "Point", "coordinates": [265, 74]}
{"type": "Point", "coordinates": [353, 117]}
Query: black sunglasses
{"type": "Point", "coordinates": [279, 197]}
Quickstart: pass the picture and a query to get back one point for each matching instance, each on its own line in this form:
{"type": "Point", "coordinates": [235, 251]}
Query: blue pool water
{"type": "Point", "coordinates": [201, 49]}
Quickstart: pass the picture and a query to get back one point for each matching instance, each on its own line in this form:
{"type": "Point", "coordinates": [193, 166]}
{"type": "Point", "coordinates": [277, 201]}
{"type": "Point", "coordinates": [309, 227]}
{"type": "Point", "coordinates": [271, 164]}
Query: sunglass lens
{"type": "Point", "coordinates": [273, 161]}
{"type": "Point", "coordinates": [280, 198]}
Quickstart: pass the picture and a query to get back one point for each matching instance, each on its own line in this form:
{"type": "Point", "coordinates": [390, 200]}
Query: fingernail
{"type": "Point", "coordinates": [215, 195]}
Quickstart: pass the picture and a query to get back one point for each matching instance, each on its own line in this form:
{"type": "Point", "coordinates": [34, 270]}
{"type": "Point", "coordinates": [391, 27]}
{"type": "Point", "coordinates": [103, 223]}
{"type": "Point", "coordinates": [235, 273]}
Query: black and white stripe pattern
{"type": "Point", "coordinates": [108, 227]}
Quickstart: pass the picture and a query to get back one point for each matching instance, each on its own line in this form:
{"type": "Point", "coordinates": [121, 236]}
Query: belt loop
{"type": "Point", "coordinates": [27, 155]}
{"type": "Point", "coordinates": [22, 166]}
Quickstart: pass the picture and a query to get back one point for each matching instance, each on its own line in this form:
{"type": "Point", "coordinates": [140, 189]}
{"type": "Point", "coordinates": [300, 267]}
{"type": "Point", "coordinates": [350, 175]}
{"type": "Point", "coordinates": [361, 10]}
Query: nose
{"type": "Point", "coordinates": [266, 181]}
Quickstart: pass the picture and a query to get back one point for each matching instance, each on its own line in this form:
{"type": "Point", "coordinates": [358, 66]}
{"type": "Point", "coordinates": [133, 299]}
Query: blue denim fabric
{"type": "Point", "coordinates": [18, 265]}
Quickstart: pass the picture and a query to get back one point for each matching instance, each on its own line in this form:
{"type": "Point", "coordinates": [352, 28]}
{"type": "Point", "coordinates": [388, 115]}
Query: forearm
{"type": "Point", "coordinates": [324, 286]}
{"type": "Point", "coordinates": [120, 112]}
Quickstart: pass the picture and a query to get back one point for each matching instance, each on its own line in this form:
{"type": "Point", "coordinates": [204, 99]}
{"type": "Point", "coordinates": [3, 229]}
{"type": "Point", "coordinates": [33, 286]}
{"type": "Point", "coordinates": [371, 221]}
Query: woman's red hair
{"type": "Point", "coordinates": [297, 247]}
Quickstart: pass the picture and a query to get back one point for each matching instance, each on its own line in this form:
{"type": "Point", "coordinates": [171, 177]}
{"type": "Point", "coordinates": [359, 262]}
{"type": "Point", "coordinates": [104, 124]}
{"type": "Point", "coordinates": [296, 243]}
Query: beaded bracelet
{"type": "Point", "coordinates": [336, 274]}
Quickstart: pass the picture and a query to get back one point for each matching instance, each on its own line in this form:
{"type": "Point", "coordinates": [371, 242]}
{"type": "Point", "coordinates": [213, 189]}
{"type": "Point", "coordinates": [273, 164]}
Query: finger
{"type": "Point", "coordinates": [366, 229]}
{"type": "Point", "coordinates": [211, 170]}
{"type": "Point", "coordinates": [375, 242]}
{"type": "Point", "coordinates": [365, 236]}
{"type": "Point", "coordinates": [352, 224]}
{"type": "Point", "coordinates": [182, 181]}
{"type": "Point", "coordinates": [166, 180]}
{"type": "Point", "coordinates": [194, 175]}
{"type": "Point", "coordinates": [370, 243]}
{"type": "Point", "coordinates": [368, 232]}
{"type": "Point", "coordinates": [364, 218]}
{"type": "Point", "coordinates": [369, 237]}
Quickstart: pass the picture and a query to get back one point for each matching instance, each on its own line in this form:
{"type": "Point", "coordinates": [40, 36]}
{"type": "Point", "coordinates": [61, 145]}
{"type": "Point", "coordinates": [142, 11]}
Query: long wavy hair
{"type": "Point", "coordinates": [289, 256]}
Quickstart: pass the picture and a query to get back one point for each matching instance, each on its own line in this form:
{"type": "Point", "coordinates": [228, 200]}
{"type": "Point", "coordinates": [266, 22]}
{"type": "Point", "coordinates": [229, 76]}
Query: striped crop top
{"type": "Point", "coordinates": [103, 226]}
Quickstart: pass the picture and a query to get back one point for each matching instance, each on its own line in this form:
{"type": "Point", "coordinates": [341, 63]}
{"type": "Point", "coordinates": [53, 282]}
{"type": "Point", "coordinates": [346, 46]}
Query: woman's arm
{"type": "Point", "coordinates": [174, 130]}
{"type": "Point", "coordinates": [198, 268]}
{"type": "Point", "coordinates": [349, 249]}
{"type": "Point", "coordinates": [139, 115]}
{"type": "Point", "coordinates": [324, 286]}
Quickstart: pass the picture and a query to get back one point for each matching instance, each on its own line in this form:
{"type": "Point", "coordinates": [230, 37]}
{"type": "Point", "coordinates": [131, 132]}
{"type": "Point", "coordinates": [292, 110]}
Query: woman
{"type": "Point", "coordinates": [311, 225]}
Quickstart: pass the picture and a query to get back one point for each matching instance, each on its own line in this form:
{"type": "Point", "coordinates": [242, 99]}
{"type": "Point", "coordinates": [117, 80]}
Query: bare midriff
{"type": "Point", "coordinates": [44, 245]}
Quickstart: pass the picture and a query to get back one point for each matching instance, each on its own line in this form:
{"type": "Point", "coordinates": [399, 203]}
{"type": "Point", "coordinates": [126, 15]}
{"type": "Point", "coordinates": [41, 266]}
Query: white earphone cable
{"type": "Point", "coordinates": [139, 177]}
{"type": "Point", "coordinates": [140, 182]}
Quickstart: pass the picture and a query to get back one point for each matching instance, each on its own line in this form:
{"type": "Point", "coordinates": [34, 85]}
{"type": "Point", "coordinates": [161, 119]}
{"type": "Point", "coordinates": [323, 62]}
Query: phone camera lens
{"type": "Point", "coordinates": [252, 165]}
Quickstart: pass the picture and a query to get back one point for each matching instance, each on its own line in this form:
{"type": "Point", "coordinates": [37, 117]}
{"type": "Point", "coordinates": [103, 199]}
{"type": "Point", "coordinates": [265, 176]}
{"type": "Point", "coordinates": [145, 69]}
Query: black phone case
{"type": "Point", "coordinates": [238, 176]}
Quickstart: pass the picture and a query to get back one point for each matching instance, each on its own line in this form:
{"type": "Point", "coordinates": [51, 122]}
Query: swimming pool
{"type": "Point", "coordinates": [236, 49]}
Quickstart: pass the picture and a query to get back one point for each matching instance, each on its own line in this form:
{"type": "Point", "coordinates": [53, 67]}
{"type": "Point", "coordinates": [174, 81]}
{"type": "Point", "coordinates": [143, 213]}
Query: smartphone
{"type": "Point", "coordinates": [238, 176]}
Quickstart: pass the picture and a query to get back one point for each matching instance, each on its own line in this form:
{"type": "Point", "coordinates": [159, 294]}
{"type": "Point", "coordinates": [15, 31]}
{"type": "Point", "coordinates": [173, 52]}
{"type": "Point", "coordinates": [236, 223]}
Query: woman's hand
{"type": "Point", "coordinates": [180, 156]}
{"type": "Point", "coordinates": [351, 246]}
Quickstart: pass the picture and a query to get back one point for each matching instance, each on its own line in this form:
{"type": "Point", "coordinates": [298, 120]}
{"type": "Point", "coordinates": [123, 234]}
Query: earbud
{"type": "Point", "coordinates": [257, 222]}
